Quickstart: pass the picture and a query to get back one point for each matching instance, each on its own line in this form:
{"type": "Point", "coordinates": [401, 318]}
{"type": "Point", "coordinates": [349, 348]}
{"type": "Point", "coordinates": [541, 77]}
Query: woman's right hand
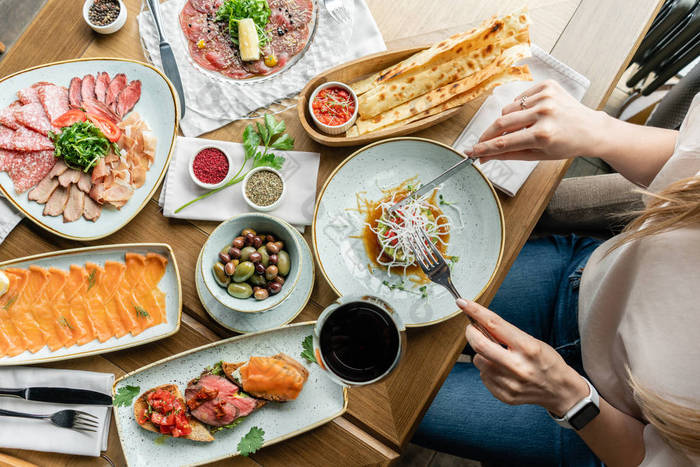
{"type": "Point", "coordinates": [552, 125]}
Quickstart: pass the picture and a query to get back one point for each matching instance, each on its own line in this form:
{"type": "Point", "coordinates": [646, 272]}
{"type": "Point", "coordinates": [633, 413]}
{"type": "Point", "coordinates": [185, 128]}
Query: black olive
{"type": "Point", "coordinates": [280, 32]}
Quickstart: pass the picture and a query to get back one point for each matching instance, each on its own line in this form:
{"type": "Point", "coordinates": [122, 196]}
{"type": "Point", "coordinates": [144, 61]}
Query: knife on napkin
{"type": "Point", "coordinates": [58, 395]}
{"type": "Point", "coordinates": [167, 57]}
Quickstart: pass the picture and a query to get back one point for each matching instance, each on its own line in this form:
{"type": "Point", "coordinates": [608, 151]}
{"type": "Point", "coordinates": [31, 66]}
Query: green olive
{"type": "Point", "coordinates": [224, 250]}
{"type": "Point", "coordinates": [240, 290]}
{"type": "Point", "coordinates": [245, 253]}
{"type": "Point", "coordinates": [283, 263]}
{"type": "Point", "coordinates": [257, 279]}
{"type": "Point", "coordinates": [220, 274]}
{"type": "Point", "coordinates": [265, 257]}
{"type": "Point", "coordinates": [244, 270]}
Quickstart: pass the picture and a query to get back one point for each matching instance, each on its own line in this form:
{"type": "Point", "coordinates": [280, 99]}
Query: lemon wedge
{"type": "Point", "coordinates": [4, 283]}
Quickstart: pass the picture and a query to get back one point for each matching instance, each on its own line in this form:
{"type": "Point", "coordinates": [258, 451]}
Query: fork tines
{"type": "Point", "coordinates": [84, 421]}
{"type": "Point", "coordinates": [425, 251]}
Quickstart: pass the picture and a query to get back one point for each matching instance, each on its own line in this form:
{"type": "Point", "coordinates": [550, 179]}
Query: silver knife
{"type": "Point", "coordinates": [167, 57]}
{"type": "Point", "coordinates": [430, 186]}
{"type": "Point", "coordinates": [58, 395]}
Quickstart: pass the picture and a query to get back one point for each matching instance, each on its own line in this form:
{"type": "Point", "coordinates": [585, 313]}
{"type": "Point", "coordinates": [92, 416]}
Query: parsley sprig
{"type": "Point", "coordinates": [125, 395]}
{"type": "Point", "coordinates": [252, 441]}
{"type": "Point", "coordinates": [308, 349]}
{"type": "Point", "coordinates": [271, 135]}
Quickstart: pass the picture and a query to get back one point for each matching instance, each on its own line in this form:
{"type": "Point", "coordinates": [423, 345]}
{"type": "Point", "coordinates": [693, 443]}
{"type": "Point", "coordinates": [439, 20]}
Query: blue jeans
{"type": "Point", "coordinates": [540, 296]}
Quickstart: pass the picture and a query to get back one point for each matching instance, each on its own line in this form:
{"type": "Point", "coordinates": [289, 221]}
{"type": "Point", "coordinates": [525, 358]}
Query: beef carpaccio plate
{"type": "Point", "coordinates": [131, 108]}
{"type": "Point", "coordinates": [285, 34]}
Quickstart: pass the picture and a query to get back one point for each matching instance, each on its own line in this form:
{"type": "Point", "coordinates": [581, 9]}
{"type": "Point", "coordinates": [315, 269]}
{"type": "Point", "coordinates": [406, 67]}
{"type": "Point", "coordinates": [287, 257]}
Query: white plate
{"type": "Point", "coordinates": [158, 107]}
{"type": "Point", "coordinates": [319, 402]}
{"type": "Point", "coordinates": [170, 284]}
{"type": "Point", "coordinates": [270, 319]}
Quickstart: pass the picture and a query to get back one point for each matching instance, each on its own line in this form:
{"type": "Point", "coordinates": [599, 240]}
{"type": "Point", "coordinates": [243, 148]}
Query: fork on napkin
{"type": "Point", "coordinates": [37, 435]}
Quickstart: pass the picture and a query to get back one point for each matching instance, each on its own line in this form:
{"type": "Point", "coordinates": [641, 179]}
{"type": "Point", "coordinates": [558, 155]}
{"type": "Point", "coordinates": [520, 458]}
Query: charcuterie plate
{"type": "Point", "coordinates": [156, 106]}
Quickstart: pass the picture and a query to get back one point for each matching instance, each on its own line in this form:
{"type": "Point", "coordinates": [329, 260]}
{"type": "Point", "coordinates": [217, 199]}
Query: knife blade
{"type": "Point", "coordinates": [431, 185]}
{"type": "Point", "coordinates": [167, 57]}
{"type": "Point", "coordinates": [58, 395]}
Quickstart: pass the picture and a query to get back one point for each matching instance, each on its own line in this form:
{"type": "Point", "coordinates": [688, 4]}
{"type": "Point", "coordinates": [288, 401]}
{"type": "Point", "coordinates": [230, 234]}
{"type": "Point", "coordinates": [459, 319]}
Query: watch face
{"type": "Point", "coordinates": [587, 413]}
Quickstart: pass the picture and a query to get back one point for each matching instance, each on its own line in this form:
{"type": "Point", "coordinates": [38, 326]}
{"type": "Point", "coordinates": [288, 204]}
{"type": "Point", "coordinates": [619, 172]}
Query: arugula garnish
{"type": "Point", "coordinates": [308, 353]}
{"type": "Point", "coordinates": [232, 11]}
{"type": "Point", "coordinates": [91, 279]}
{"type": "Point", "coordinates": [64, 322]}
{"type": "Point", "coordinates": [81, 145]}
{"type": "Point", "coordinates": [252, 441]}
{"type": "Point", "coordinates": [271, 135]}
{"type": "Point", "coordinates": [234, 423]}
{"type": "Point", "coordinates": [216, 369]}
{"type": "Point", "coordinates": [125, 395]}
{"type": "Point", "coordinates": [9, 303]}
{"type": "Point", "coordinates": [141, 312]}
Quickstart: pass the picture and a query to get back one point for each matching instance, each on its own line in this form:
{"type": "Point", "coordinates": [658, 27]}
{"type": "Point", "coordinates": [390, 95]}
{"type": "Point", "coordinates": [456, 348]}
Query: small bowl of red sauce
{"type": "Point", "coordinates": [333, 107]}
{"type": "Point", "coordinates": [210, 167]}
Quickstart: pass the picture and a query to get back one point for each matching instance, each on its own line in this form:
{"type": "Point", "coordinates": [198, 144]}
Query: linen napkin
{"type": "Point", "coordinates": [509, 176]}
{"type": "Point", "coordinates": [212, 101]}
{"type": "Point", "coordinates": [42, 435]}
{"type": "Point", "coordinates": [299, 171]}
{"type": "Point", "coordinates": [9, 218]}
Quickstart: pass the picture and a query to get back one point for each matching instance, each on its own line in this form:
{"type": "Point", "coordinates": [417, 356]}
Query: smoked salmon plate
{"type": "Point", "coordinates": [84, 142]}
{"type": "Point", "coordinates": [86, 301]}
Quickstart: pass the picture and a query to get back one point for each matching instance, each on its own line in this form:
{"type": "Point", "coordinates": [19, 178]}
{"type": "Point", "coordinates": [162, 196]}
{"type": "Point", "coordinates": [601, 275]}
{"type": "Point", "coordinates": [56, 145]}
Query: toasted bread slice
{"type": "Point", "coordinates": [232, 372]}
{"type": "Point", "coordinates": [199, 431]}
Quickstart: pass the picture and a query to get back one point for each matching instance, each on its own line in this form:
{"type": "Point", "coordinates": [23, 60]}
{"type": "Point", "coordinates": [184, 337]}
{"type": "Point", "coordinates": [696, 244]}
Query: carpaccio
{"type": "Point", "coordinates": [27, 153]}
{"type": "Point", "coordinates": [210, 45]}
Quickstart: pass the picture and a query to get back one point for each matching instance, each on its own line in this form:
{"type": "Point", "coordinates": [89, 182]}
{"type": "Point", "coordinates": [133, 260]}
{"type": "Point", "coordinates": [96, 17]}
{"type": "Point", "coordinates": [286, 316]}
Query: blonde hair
{"type": "Point", "coordinates": [676, 206]}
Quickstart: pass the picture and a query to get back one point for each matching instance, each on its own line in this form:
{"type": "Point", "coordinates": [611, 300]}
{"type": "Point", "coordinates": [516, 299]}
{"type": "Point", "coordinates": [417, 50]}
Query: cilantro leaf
{"type": "Point", "coordinates": [252, 441]}
{"type": "Point", "coordinates": [269, 160]}
{"type": "Point", "coordinates": [251, 141]}
{"type": "Point", "coordinates": [284, 142]}
{"type": "Point", "coordinates": [125, 395]}
{"type": "Point", "coordinates": [274, 127]}
{"type": "Point", "coordinates": [263, 132]}
{"type": "Point", "coordinates": [308, 353]}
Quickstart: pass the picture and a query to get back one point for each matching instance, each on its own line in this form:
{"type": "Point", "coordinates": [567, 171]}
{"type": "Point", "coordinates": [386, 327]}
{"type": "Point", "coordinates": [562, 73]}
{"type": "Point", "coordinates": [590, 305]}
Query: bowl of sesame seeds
{"type": "Point", "coordinates": [105, 16]}
{"type": "Point", "coordinates": [263, 188]}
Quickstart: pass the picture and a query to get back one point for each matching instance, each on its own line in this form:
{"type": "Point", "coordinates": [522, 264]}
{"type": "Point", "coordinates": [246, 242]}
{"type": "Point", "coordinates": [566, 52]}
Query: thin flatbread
{"type": "Point", "coordinates": [437, 96]}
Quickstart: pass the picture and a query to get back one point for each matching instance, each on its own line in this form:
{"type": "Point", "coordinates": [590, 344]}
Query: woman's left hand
{"type": "Point", "coordinates": [524, 370]}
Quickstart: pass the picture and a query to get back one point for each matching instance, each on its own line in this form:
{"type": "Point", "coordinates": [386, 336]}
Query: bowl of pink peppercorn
{"type": "Point", "coordinates": [210, 167]}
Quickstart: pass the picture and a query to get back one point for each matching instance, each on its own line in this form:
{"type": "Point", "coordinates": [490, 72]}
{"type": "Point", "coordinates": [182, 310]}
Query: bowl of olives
{"type": "Point", "coordinates": [250, 263]}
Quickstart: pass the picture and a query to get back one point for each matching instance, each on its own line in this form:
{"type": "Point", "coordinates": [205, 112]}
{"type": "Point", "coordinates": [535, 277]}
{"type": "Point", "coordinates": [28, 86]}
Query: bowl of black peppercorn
{"type": "Point", "coordinates": [105, 16]}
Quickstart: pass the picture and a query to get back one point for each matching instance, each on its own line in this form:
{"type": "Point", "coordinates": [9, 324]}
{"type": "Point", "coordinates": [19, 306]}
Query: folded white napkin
{"type": "Point", "coordinates": [9, 218]}
{"type": "Point", "coordinates": [42, 435]}
{"type": "Point", "coordinates": [509, 176]}
{"type": "Point", "coordinates": [212, 101]}
{"type": "Point", "coordinates": [299, 171]}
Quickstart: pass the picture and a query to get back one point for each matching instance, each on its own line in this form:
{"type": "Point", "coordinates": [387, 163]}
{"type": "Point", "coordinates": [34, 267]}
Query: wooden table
{"type": "Point", "coordinates": [595, 37]}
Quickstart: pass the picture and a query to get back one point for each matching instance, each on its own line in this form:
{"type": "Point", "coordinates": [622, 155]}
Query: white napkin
{"type": "Point", "coordinates": [9, 218]}
{"type": "Point", "coordinates": [300, 171]}
{"type": "Point", "coordinates": [42, 435]}
{"type": "Point", "coordinates": [212, 101]}
{"type": "Point", "coordinates": [509, 176]}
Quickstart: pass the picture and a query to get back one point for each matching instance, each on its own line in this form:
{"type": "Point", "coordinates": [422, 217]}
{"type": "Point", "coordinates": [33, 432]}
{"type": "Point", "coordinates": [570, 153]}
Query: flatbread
{"type": "Point", "coordinates": [437, 96]}
{"type": "Point", "coordinates": [514, 73]}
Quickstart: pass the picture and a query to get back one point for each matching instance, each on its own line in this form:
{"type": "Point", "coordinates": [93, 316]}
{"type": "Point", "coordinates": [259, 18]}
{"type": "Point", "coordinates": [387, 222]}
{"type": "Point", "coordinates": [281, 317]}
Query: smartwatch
{"type": "Point", "coordinates": [582, 412]}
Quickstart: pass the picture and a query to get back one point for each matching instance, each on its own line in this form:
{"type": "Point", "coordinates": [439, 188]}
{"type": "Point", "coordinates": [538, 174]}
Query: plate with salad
{"type": "Point", "coordinates": [84, 143]}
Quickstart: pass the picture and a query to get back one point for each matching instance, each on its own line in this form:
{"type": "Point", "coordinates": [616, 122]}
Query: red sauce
{"type": "Point", "coordinates": [333, 106]}
{"type": "Point", "coordinates": [210, 165]}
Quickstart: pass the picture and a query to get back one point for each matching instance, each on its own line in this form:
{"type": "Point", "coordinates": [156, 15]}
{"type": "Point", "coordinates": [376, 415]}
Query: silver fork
{"type": "Point", "coordinates": [435, 267]}
{"type": "Point", "coordinates": [73, 419]}
{"type": "Point", "coordinates": [338, 10]}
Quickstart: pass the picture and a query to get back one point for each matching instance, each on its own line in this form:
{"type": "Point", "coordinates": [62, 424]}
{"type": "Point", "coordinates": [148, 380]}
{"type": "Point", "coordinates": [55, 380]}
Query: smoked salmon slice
{"type": "Point", "coordinates": [55, 296]}
{"type": "Point", "coordinates": [116, 271]}
{"type": "Point", "coordinates": [78, 311]}
{"type": "Point", "coordinates": [98, 311]}
{"type": "Point", "coordinates": [11, 342]}
{"type": "Point", "coordinates": [143, 302]}
{"type": "Point", "coordinates": [20, 311]}
{"type": "Point", "coordinates": [153, 272]}
{"type": "Point", "coordinates": [37, 284]}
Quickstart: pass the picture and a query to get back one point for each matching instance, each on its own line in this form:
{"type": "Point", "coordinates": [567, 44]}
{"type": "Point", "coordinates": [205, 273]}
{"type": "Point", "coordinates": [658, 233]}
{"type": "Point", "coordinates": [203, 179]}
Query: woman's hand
{"type": "Point", "coordinates": [552, 125]}
{"type": "Point", "coordinates": [526, 370]}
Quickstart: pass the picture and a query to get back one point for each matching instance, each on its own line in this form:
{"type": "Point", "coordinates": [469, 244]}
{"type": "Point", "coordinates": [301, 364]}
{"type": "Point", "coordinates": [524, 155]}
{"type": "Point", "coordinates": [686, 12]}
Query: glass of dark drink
{"type": "Point", "coordinates": [359, 340]}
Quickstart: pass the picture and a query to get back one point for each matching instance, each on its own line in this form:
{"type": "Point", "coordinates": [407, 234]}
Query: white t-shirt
{"type": "Point", "coordinates": [639, 306]}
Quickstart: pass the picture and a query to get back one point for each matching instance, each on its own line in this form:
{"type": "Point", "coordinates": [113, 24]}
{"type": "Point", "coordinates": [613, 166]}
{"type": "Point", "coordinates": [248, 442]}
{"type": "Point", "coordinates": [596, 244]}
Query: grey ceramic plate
{"type": "Point", "coordinates": [158, 108]}
{"type": "Point", "coordinates": [270, 319]}
{"type": "Point", "coordinates": [170, 284]}
{"type": "Point", "coordinates": [320, 401]}
{"type": "Point", "coordinates": [477, 238]}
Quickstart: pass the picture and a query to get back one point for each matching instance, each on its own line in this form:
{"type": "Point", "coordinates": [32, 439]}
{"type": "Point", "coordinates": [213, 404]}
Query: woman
{"type": "Point", "coordinates": [629, 322]}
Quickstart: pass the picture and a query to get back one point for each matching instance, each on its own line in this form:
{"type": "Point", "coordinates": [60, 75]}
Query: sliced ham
{"type": "Point", "coordinates": [101, 85]}
{"type": "Point", "coordinates": [117, 195]}
{"type": "Point", "coordinates": [127, 99]}
{"type": "Point", "coordinates": [97, 192]}
{"type": "Point", "coordinates": [116, 86]}
{"type": "Point", "coordinates": [25, 139]}
{"type": "Point", "coordinates": [73, 209]}
{"type": "Point", "coordinates": [58, 169]}
{"type": "Point", "coordinates": [96, 107]}
{"type": "Point", "coordinates": [69, 177]}
{"type": "Point", "coordinates": [27, 169]}
{"type": "Point", "coordinates": [54, 99]}
{"type": "Point", "coordinates": [75, 92]}
{"type": "Point", "coordinates": [7, 118]}
{"type": "Point", "coordinates": [6, 135]}
{"type": "Point", "coordinates": [84, 183]}
{"type": "Point", "coordinates": [43, 191]}
{"type": "Point", "coordinates": [88, 87]}
{"type": "Point", "coordinates": [91, 210]}
{"type": "Point", "coordinates": [33, 117]}
{"type": "Point", "coordinates": [57, 201]}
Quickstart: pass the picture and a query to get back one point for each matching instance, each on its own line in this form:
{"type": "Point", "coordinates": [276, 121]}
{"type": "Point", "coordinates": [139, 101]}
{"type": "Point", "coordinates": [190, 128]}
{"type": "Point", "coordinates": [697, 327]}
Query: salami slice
{"type": "Point", "coordinates": [74, 92]}
{"type": "Point", "coordinates": [206, 6]}
{"type": "Point", "coordinates": [25, 139]}
{"type": "Point", "coordinates": [54, 99]}
{"type": "Point", "coordinates": [28, 95]}
{"type": "Point", "coordinates": [33, 117]}
{"type": "Point", "coordinates": [6, 135]}
{"type": "Point", "coordinates": [27, 169]}
{"type": "Point", "coordinates": [7, 118]}
{"type": "Point", "coordinates": [5, 159]}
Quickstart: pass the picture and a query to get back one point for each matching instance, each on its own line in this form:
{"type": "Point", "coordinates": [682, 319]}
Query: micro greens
{"type": "Point", "coordinates": [237, 421]}
{"type": "Point", "coordinates": [443, 202]}
{"type": "Point", "coordinates": [91, 279]}
{"type": "Point", "coordinates": [270, 134]}
{"type": "Point", "coordinates": [141, 312]}
{"type": "Point", "coordinates": [81, 145]}
{"type": "Point", "coordinates": [216, 369]}
{"type": "Point", "coordinates": [232, 11]}
{"type": "Point", "coordinates": [9, 303]}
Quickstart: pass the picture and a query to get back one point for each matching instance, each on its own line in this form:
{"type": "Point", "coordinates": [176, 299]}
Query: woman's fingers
{"type": "Point", "coordinates": [526, 155]}
{"type": "Point", "coordinates": [509, 123]}
{"type": "Point", "coordinates": [497, 326]}
{"type": "Point", "coordinates": [485, 347]}
{"type": "Point", "coordinates": [517, 141]}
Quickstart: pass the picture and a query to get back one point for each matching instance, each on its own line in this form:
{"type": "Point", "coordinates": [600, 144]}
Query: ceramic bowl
{"type": "Point", "coordinates": [224, 234]}
{"type": "Point", "coordinates": [338, 129]}
{"type": "Point", "coordinates": [210, 186]}
{"type": "Point", "coordinates": [269, 207]}
{"type": "Point", "coordinates": [110, 28]}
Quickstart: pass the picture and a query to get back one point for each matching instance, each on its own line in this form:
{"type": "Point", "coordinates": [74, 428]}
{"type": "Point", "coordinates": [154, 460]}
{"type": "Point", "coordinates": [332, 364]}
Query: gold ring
{"type": "Point", "coordinates": [522, 102]}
